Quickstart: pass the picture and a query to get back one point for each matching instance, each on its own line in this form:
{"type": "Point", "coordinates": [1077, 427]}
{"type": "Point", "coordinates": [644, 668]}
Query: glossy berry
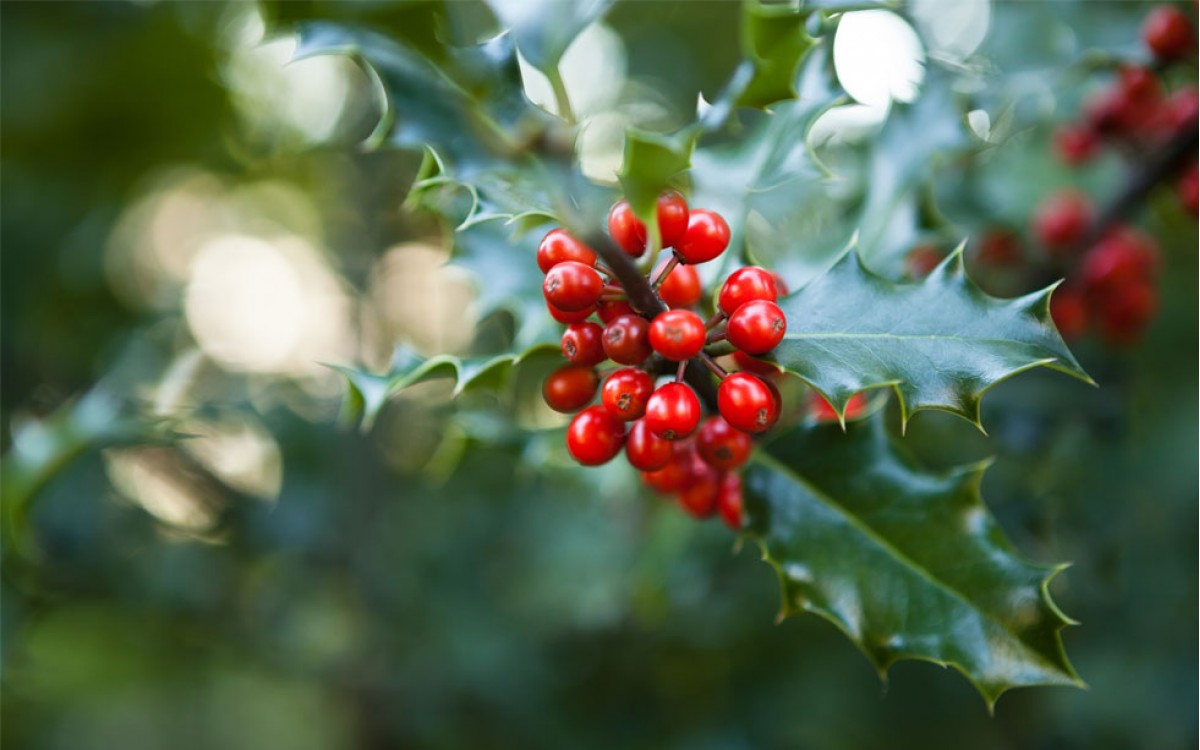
{"type": "Point", "coordinates": [706, 237]}
{"type": "Point", "coordinates": [673, 411]}
{"type": "Point", "coordinates": [568, 389]}
{"type": "Point", "coordinates": [1168, 33]}
{"type": "Point", "coordinates": [567, 318]}
{"type": "Point", "coordinates": [729, 500]}
{"type": "Point", "coordinates": [609, 310]}
{"type": "Point", "coordinates": [744, 285]}
{"type": "Point", "coordinates": [681, 288]}
{"type": "Point", "coordinates": [582, 345]}
{"type": "Point", "coordinates": [626, 392]}
{"type": "Point", "coordinates": [921, 261]}
{"type": "Point", "coordinates": [594, 436]}
{"type": "Point", "coordinates": [628, 231]}
{"type": "Point", "coordinates": [1076, 144]}
{"type": "Point", "coordinates": [747, 403]}
{"type": "Point", "coordinates": [646, 451]}
{"type": "Point", "coordinates": [677, 334]}
{"type": "Point", "coordinates": [558, 246]}
{"type": "Point", "coordinates": [627, 339]}
{"type": "Point", "coordinates": [1123, 314]}
{"type": "Point", "coordinates": [1069, 309]}
{"type": "Point", "coordinates": [699, 496]}
{"type": "Point", "coordinates": [823, 411]}
{"type": "Point", "coordinates": [572, 286]}
{"type": "Point", "coordinates": [721, 445]}
{"type": "Point", "coordinates": [756, 327]}
{"type": "Point", "coordinates": [1062, 219]}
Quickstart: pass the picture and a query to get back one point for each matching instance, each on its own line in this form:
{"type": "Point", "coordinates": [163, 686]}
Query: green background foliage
{"type": "Point", "coordinates": [449, 578]}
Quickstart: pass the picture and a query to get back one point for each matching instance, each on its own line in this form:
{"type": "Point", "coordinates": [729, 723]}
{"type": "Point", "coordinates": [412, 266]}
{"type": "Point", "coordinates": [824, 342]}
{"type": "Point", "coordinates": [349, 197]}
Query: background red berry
{"type": "Point", "coordinates": [1062, 218]}
{"type": "Point", "coordinates": [646, 451]}
{"type": "Point", "coordinates": [721, 445]}
{"type": "Point", "coordinates": [729, 500]}
{"type": "Point", "coordinates": [1168, 33]}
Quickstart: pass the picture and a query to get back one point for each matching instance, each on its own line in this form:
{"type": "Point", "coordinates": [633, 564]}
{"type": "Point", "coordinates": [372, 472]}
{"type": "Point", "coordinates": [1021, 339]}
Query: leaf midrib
{"type": "Point", "coordinates": [869, 532]}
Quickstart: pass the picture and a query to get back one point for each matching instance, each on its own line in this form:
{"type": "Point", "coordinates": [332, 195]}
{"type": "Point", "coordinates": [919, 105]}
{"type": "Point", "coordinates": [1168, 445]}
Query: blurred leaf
{"type": "Point", "coordinates": [773, 41]}
{"type": "Point", "coordinates": [545, 28]}
{"type": "Point", "coordinates": [907, 563]}
{"type": "Point", "coordinates": [941, 343]}
{"type": "Point", "coordinates": [651, 162]}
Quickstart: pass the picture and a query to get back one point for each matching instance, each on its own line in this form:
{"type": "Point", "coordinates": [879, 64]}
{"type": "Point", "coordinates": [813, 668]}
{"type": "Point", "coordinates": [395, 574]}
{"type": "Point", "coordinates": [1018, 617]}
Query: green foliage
{"type": "Point", "coordinates": [907, 563]}
{"type": "Point", "coordinates": [940, 343]}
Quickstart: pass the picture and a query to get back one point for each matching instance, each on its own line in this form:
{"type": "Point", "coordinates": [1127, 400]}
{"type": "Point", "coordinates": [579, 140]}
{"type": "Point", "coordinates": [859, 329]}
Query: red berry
{"type": "Point", "coordinates": [627, 339]}
{"type": "Point", "coordinates": [706, 237]}
{"type": "Point", "coordinates": [721, 445]}
{"type": "Point", "coordinates": [1068, 308]}
{"type": "Point", "coordinates": [729, 500]}
{"type": "Point", "coordinates": [744, 285]}
{"type": "Point", "coordinates": [699, 496]}
{"type": "Point", "coordinates": [1122, 255]}
{"type": "Point", "coordinates": [567, 318]}
{"type": "Point", "coordinates": [647, 451]}
{"type": "Point", "coordinates": [681, 288]}
{"type": "Point", "coordinates": [558, 246]}
{"type": "Point", "coordinates": [608, 310]}
{"type": "Point", "coordinates": [756, 327]}
{"type": "Point", "coordinates": [822, 411]}
{"type": "Point", "coordinates": [677, 334]}
{"type": "Point", "coordinates": [1076, 144]}
{"type": "Point", "coordinates": [625, 393]}
{"type": "Point", "coordinates": [781, 287]}
{"type": "Point", "coordinates": [677, 472]}
{"type": "Point", "coordinates": [582, 344]}
{"type": "Point", "coordinates": [626, 229]}
{"type": "Point", "coordinates": [572, 286]}
{"type": "Point", "coordinates": [1062, 219]}
{"type": "Point", "coordinates": [757, 366]}
{"type": "Point", "coordinates": [673, 411]}
{"type": "Point", "coordinates": [1182, 109]}
{"type": "Point", "coordinates": [747, 403]}
{"type": "Point", "coordinates": [1189, 190]}
{"type": "Point", "coordinates": [672, 213]}
{"type": "Point", "coordinates": [921, 261]}
{"type": "Point", "coordinates": [568, 389]}
{"type": "Point", "coordinates": [1125, 311]}
{"type": "Point", "coordinates": [999, 247]}
{"type": "Point", "coordinates": [1168, 33]}
{"type": "Point", "coordinates": [594, 436]}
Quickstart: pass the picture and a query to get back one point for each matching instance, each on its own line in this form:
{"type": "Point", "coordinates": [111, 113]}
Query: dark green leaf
{"type": "Point", "coordinates": [651, 162]}
{"type": "Point", "coordinates": [907, 563]}
{"type": "Point", "coordinates": [773, 41]}
{"type": "Point", "coordinates": [545, 28]}
{"type": "Point", "coordinates": [940, 343]}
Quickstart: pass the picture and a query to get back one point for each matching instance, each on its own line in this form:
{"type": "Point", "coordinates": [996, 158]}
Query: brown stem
{"type": "Point", "coordinates": [715, 320]}
{"type": "Point", "coordinates": [712, 365]}
{"type": "Point", "coordinates": [715, 337]}
{"type": "Point", "coordinates": [665, 272]}
{"type": "Point", "coordinates": [680, 371]}
{"type": "Point", "coordinates": [644, 300]}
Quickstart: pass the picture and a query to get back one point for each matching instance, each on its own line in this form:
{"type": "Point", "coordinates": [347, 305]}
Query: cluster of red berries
{"type": "Point", "coordinates": [661, 425]}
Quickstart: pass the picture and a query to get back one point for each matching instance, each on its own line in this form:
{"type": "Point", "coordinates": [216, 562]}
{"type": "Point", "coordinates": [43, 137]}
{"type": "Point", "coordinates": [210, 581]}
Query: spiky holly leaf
{"type": "Point", "coordinates": [773, 41]}
{"type": "Point", "coordinates": [940, 343]}
{"type": "Point", "coordinates": [651, 162]}
{"type": "Point", "coordinates": [906, 562]}
{"type": "Point", "coordinates": [545, 28]}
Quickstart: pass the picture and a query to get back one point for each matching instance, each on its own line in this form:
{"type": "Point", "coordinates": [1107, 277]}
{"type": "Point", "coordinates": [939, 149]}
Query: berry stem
{"type": "Point", "coordinates": [644, 300]}
{"type": "Point", "coordinates": [716, 319]}
{"type": "Point", "coordinates": [712, 365]}
{"type": "Point", "coordinates": [680, 371]}
{"type": "Point", "coordinates": [715, 337]}
{"type": "Point", "coordinates": [666, 271]}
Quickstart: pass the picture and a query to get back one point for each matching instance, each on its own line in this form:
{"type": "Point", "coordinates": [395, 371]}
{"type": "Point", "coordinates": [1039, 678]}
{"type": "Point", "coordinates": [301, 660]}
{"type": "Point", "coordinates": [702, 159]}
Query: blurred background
{"type": "Point", "coordinates": [190, 233]}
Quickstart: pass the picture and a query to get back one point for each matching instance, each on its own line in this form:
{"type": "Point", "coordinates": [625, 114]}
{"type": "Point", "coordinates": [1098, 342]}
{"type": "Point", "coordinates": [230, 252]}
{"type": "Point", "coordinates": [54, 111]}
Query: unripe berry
{"type": "Point", "coordinates": [747, 403]}
{"type": "Point", "coordinates": [729, 500]}
{"type": "Point", "coordinates": [594, 436]}
{"type": "Point", "coordinates": [1168, 33]}
{"type": "Point", "coordinates": [756, 327]}
{"type": "Point", "coordinates": [568, 389]}
{"type": "Point", "coordinates": [681, 288]}
{"type": "Point", "coordinates": [558, 246]}
{"type": "Point", "coordinates": [582, 345]}
{"type": "Point", "coordinates": [626, 392]}
{"type": "Point", "coordinates": [1062, 219]}
{"type": "Point", "coordinates": [572, 286]}
{"type": "Point", "coordinates": [677, 334]}
{"type": "Point", "coordinates": [646, 451]}
{"type": "Point", "coordinates": [627, 339]}
{"type": "Point", "coordinates": [673, 411]}
{"type": "Point", "coordinates": [706, 237]}
{"type": "Point", "coordinates": [721, 445]}
{"type": "Point", "coordinates": [744, 285]}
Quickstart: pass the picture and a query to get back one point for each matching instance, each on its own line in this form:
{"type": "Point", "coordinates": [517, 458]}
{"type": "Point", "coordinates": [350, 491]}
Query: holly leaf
{"type": "Point", "coordinates": [908, 563]}
{"type": "Point", "coordinates": [773, 42]}
{"type": "Point", "coordinates": [651, 162]}
{"type": "Point", "coordinates": [545, 28]}
{"type": "Point", "coordinates": [940, 343]}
